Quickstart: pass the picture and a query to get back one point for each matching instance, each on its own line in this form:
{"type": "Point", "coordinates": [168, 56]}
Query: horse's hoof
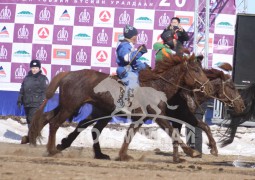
{"type": "Point", "coordinates": [125, 158]}
{"type": "Point", "coordinates": [177, 160]}
{"type": "Point", "coordinates": [196, 154]}
{"type": "Point", "coordinates": [60, 147]}
{"type": "Point", "coordinates": [53, 152]}
{"type": "Point", "coordinates": [102, 156]}
{"type": "Point", "coordinates": [191, 152]}
{"type": "Point", "coordinates": [214, 152]}
{"type": "Point", "coordinates": [24, 140]}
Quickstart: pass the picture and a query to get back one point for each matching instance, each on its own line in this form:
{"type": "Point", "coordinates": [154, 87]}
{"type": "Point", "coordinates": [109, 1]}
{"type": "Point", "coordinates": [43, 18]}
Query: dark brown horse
{"type": "Point", "coordinates": [224, 90]}
{"type": "Point", "coordinates": [76, 88]}
{"type": "Point", "coordinates": [248, 95]}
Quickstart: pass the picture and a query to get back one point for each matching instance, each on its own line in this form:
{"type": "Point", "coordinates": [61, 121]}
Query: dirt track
{"type": "Point", "coordinates": [26, 162]}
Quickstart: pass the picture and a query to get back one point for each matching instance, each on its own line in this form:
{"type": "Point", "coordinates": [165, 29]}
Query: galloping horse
{"type": "Point", "coordinates": [224, 90]}
{"type": "Point", "coordinates": [76, 89]}
{"type": "Point", "coordinates": [248, 95]}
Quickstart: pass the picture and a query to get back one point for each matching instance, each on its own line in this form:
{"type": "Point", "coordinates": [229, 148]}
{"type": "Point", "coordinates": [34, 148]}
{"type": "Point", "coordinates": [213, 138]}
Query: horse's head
{"type": "Point", "coordinates": [230, 96]}
{"type": "Point", "coordinates": [224, 89]}
{"type": "Point", "coordinates": [194, 76]}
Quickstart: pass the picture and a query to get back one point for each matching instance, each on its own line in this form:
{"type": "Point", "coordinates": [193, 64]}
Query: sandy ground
{"type": "Point", "coordinates": [27, 162]}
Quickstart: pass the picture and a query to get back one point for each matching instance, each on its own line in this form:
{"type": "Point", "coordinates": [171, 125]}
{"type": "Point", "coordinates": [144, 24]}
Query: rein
{"type": "Point", "coordinates": [231, 104]}
{"type": "Point", "coordinates": [202, 85]}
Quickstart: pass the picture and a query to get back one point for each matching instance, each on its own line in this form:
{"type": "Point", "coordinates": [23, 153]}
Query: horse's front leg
{"type": "Point", "coordinates": [133, 128]}
{"type": "Point", "coordinates": [212, 143]}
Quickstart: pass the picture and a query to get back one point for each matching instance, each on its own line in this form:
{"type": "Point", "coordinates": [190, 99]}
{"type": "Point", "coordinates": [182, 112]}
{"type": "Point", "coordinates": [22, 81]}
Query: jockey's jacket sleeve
{"type": "Point", "coordinates": [126, 53]}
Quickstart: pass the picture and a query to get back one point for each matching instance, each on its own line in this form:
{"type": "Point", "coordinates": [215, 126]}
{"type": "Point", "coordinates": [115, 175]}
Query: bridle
{"type": "Point", "coordinates": [231, 103]}
{"type": "Point", "coordinates": [202, 85]}
{"type": "Point", "coordinates": [200, 89]}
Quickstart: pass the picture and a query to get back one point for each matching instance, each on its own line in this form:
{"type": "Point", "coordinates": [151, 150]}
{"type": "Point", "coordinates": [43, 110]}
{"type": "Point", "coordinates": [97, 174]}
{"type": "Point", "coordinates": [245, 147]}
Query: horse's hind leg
{"type": "Point", "coordinates": [96, 132]}
{"type": "Point", "coordinates": [66, 142]}
{"type": "Point", "coordinates": [54, 125]}
{"type": "Point", "coordinates": [212, 143]}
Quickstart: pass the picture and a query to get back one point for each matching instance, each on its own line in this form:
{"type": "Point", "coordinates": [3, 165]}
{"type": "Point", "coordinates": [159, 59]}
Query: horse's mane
{"type": "Point", "coordinates": [162, 66]}
{"type": "Point", "coordinates": [215, 73]}
{"type": "Point", "coordinates": [248, 95]}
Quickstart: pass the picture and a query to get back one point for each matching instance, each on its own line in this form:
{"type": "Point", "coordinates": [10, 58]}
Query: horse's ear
{"type": "Point", "coordinates": [186, 51]}
{"type": "Point", "coordinates": [192, 57]}
{"type": "Point", "coordinates": [200, 58]}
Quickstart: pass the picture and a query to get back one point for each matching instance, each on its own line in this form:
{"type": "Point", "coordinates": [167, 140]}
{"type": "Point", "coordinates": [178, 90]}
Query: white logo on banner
{"type": "Point", "coordinates": [81, 56]}
{"type": "Point", "coordinates": [41, 54]}
{"type": "Point", "coordinates": [5, 13]}
{"type": "Point", "coordinates": [102, 37]}
{"type": "Point", "coordinates": [44, 15]}
{"type": "Point", "coordinates": [124, 18]}
{"type": "Point", "coordinates": [62, 35]}
{"type": "Point", "coordinates": [3, 52]}
{"type": "Point", "coordinates": [20, 72]}
{"type": "Point", "coordinates": [23, 32]}
{"type": "Point", "coordinates": [84, 16]}
{"type": "Point", "coordinates": [164, 20]}
{"type": "Point", "coordinates": [59, 71]}
{"type": "Point", "coordinates": [142, 38]}
{"type": "Point", "coordinates": [223, 42]}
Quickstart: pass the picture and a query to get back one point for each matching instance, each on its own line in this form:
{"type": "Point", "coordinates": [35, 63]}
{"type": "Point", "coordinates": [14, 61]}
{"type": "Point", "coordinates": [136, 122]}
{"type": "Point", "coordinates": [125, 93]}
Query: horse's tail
{"type": "Point", "coordinates": [40, 119]}
{"type": "Point", "coordinates": [36, 124]}
{"type": "Point", "coordinates": [54, 84]}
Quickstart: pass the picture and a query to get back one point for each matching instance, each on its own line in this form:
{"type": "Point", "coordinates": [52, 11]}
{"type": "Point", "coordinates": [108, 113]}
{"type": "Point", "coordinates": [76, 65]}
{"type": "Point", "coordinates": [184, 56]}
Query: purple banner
{"type": "Point", "coordinates": [44, 14]}
{"type": "Point", "coordinates": [62, 34]}
{"type": "Point", "coordinates": [5, 52]}
{"type": "Point", "coordinates": [123, 17]}
{"type": "Point", "coordinates": [81, 56]}
{"type": "Point", "coordinates": [19, 71]}
{"type": "Point", "coordinates": [179, 5]}
{"type": "Point", "coordinates": [84, 16]}
{"type": "Point", "coordinates": [223, 44]}
{"type": "Point", "coordinates": [7, 13]}
{"type": "Point", "coordinates": [42, 52]}
{"type": "Point", "coordinates": [23, 33]}
{"type": "Point", "coordinates": [55, 69]}
{"type": "Point", "coordinates": [102, 37]}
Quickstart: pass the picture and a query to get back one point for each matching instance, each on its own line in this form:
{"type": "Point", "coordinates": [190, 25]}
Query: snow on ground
{"type": "Point", "coordinates": [150, 138]}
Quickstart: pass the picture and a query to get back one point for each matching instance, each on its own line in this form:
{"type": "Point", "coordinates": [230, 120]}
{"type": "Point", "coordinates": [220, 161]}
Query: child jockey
{"type": "Point", "coordinates": [129, 65]}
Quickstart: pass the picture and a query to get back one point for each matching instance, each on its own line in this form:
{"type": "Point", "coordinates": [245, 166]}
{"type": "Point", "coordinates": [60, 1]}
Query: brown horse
{"type": "Point", "coordinates": [76, 88]}
{"type": "Point", "coordinates": [224, 90]}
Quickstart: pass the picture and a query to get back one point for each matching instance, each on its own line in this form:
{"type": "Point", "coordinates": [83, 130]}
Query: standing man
{"type": "Point", "coordinates": [174, 35]}
{"type": "Point", "coordinates": [32, 92]}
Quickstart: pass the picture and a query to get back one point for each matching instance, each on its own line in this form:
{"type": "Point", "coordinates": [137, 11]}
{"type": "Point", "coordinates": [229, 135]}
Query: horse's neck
{"type": "Point", "coordinates": [174, 76]}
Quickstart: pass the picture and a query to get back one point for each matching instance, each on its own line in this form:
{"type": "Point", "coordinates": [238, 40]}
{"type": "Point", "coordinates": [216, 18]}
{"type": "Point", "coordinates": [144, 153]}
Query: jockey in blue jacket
{"type": "Point", "coordinates": [128, 61]}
